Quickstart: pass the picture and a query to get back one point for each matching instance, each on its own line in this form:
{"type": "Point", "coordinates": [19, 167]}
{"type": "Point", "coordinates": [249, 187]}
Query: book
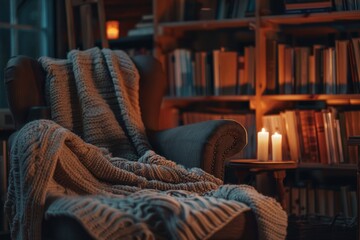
{"type": "Point", "coordinates": [177, 72]}
{"type": "Point", "coordinates": [321, 202]}
{"type": "Point", "coordinates": [330, 206]}
{"type": "Point", "coordinates": [171, 73]}
{"type": "Point", "coordinates": [302, 201]}
{"type": "Point", "coordinates": [301, 56]}
{"type": "Point", "coordinates": [329, 79]}
{"type": "Point", "coordinates": [343, 137]}
{"type": "Point", "coordinates": [249, 68]}
{"type": "Point", "coordinates": [292, 131]}
{"type": "Point", "coordinates": [307, 4]}
{"type": "Point", "coordinates": [321, 139]}
{"type": "Point", "coordinates": [354, 51]}
{"type": "Point", "coordinates": [330, 137]}
{"type": "Point", "coordinates": [241, 81]}
{"type": "Point", "coordinates": [204, 75]}
{"type": "Point", "coordinates": [281, 67]}
{"type": "Point", "coordinates": [289, 77]}
{"type": "Point", "coordinates": [271, 69]}
{"type": "Point", "coordinates": [295, 201]}
{"type": "Point", "coordinates": [216, 72]}
{"type": "Point", "coordinates": [228, 72]}
{"type": "Point", "coordinates": [353, 203]}
{"type": "Point", "coordinates": [309, 151]}
{"type": "Point", "coordinates": [342, 66]}
{"type": "Point", "coordinates": [311, 201]}
{"type": "Point", "coordinates": [345, 200]}
{"type": "Point", "coordinates": [319, 67]}
{"type": "Point", "coordinates": [312, 75]}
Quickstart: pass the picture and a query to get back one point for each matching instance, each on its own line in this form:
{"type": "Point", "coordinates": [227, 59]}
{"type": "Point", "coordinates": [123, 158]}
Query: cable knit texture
{"type": "Point", "coordinates": [93, 162]}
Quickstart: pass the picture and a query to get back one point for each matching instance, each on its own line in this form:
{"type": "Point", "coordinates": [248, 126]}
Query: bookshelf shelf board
{"type": "Point", "coordinates": [351, 98]}
{"type": "Point", "coordinates": [257, 165]}
{"type": "Point", "coordinates": [209, 98]}
{"type": "Point", "coordinates": [354, 140]}
{"type": "Point", "coordinates": [133, 41]}
{"type": "Point", "coordinates": [208, 24]}
{"type": "Point", "coordinates": [313, 17]}
{"type": "Point", "coordinates": [346, 166]}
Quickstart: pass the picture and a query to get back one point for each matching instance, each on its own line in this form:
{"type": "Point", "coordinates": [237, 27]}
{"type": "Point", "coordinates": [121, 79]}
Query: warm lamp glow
{"type": "Point", "coordinates": [112, 29]}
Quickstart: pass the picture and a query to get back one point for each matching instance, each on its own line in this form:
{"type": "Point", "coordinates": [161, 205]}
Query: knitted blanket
{"type": "Point", "coordinates": [93, 163]}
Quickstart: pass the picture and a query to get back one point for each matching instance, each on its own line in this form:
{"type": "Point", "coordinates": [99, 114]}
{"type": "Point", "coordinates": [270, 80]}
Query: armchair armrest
{"type": "Point", "coordinates": [206, 145]}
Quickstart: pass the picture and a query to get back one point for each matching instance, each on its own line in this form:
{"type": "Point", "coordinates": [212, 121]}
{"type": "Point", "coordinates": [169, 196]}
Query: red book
{"type": "Point", "coordinates": [320, 131]}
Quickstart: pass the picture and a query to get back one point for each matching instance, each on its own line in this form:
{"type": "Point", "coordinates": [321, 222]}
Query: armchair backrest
{"type": "Point", "coordinates": [25, 88]}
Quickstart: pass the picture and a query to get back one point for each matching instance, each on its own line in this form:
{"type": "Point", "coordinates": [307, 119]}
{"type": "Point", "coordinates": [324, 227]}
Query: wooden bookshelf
{"type": "Point", "coordinates": [294, 30]}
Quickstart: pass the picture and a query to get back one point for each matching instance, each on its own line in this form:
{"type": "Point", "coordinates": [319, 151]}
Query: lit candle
{"type": "Point", "coordinates": [263, 145]}
{"type": "Point", "coordinates": [276, 147]}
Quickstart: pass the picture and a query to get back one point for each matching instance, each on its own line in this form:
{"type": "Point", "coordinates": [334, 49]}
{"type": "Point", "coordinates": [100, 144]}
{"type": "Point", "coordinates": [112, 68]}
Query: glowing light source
{"type": "Point", "coordinates": [263, 145]}
{"type": "Point", "coordinates": [112, 29]}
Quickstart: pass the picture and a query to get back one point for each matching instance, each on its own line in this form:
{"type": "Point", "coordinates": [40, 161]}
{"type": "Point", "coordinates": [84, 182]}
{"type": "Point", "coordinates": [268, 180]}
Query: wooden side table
{"type": "Point", "coordinates": [277, 168]}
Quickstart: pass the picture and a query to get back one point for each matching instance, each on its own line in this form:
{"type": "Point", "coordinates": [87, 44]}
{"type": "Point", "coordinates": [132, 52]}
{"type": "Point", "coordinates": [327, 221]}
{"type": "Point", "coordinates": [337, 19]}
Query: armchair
{"type": "Point", "coordinates": [206, 145]}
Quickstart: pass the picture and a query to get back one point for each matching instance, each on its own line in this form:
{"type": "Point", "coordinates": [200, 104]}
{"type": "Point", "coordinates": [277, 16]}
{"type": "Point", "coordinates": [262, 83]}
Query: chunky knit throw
{"type": "Point", "coordinates": [93, 163]}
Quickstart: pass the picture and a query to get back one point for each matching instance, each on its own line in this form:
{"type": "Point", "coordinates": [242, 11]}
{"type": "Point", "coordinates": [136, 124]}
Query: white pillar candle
{"type": "Point", "coordinates": [276, 139]}
{"type": "Point", "coordinates": [263, 145]}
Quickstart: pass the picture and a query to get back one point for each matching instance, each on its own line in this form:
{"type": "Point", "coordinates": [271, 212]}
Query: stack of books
{"type": "Point", "coordinates": [144, 27]}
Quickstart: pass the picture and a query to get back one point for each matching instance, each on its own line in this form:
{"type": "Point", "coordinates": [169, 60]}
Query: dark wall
{"type": "Point", "coordinates": [4, 48]}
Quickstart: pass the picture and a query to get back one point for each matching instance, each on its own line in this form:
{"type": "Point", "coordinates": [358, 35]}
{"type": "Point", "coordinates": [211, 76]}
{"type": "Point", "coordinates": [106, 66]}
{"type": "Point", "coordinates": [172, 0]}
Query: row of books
{"type": "Point", "coordinates": [218, 72]}
{"type": "Point", "coordinates": [313, 70]}
{"type": "Point", "coordinates": [305, 201]}
{"type": "Point", "coordinates": [313, 6]}
{"type": "Point", "coordinates": [190, 10]}
{"type": "Point", "coordinates": [245, 119]}
{"type": "Point", "coordinates": [348, 5]}
{"type": "Point", "coordinates": [311, 136]}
